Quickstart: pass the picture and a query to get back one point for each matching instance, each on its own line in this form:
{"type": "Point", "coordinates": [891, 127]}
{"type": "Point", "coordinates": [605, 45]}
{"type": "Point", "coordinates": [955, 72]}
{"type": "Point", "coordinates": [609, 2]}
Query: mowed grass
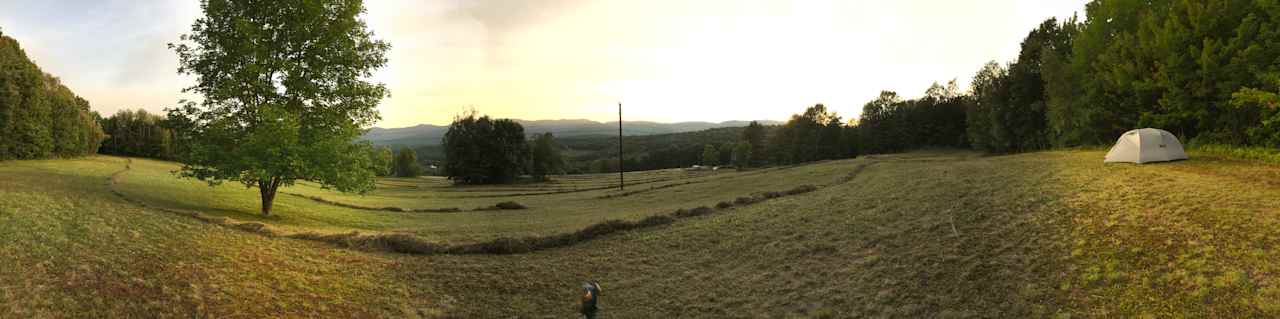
{"type": "Point", "coordinates": [72, 249]}
{"type": "Point", "coordinates": [548, 214]}
{"type": "Point", "coordinates": [931, 234]}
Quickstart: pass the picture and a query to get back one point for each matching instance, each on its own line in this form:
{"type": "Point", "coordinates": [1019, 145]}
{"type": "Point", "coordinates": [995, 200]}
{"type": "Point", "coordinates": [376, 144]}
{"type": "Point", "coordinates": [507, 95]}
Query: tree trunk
{"type": "Point", "coordinates": [267, 189]}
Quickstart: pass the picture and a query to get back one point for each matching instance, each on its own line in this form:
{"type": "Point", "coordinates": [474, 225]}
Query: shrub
{"type": "Point", "coordinates": [510, 205]}
{"type": "Point", "coordinates": [745, 201]}
{"type": "Point", "coordinates": [724, 205]}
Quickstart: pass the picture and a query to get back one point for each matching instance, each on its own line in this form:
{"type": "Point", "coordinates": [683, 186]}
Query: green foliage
{"type": "Point", "coordinates": [646, 152]}
{"type": "Point", "coordinates": [480, 150]}
{"type": "Point", "coordinates": [1013, 108]}
{"type": "Point", "coordinates": [1185, 66]}
{"type": "Point", "coordinates": [546, 157]}
{"type": "Point", "coordinates": [890, 124]}
{"type": "Point", "coordinates": [406, 163]}
{"type": "Point", "coordinates": [742, 155]}
{"type": "Point", "coordinates": [284, 94]}
{"type": "Point", "coordinates": [810, 136]}
{"type": "Point", "coordinates": [755, 134]}
{"type": "Point", "coordinates": [40, 117]}
{"type": "Point", "coordinates": [1268, 104]}
{"type": "Point", "coordinates": [384, 159]}
{"type": "Point", "coordinates": [604, 166]}
{"type": "Point", "coordinates": [1265, 154]}
{"type": "Point", "coordinates": [726, 153]}
{"type": "Point", "coordinates": [710, 155]}
{"type": "Point", "coordinates": [981, 115]}
{"type": "Point", "coordinates": [138, 134]}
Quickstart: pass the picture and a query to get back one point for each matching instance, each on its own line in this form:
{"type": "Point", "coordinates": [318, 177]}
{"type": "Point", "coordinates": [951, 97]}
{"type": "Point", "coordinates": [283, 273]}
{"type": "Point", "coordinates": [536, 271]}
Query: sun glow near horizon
{"type": "Point", "coordinates": [665, 60]}
{"type": "Point", "coordinates": [672, 61]}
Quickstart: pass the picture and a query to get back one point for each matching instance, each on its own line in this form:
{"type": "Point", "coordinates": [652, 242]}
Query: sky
{"type": "Point", "coordinates": [664, 60]}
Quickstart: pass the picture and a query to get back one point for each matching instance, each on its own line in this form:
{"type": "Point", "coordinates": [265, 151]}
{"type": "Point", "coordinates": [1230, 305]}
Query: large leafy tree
{"type": "Point", "coordinates": [877, 128]}
{"type": "Point", "coordinates": [755, 134]}
{"type": "Point", "coordinates": [742, 155]}
{"type": "Point", "coordinates": [406, 163]}
{"type": "Point", "coordinates": [285, 94]}
{"type": "Point", "coordinates": [986, 128]}
{"type": "Point", "coordinates": [809, 136]}
{"type": "Point", "coordinates": [546, 157]}
{"type": "Point", "coordinates": [710, 155]}
{"type": "Point", "coordinates": [481, 150]}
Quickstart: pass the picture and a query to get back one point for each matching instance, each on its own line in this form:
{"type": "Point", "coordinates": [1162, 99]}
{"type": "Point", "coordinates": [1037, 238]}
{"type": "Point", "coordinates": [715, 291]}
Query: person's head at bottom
{"type": "Point", "coordinates": [590, 299]}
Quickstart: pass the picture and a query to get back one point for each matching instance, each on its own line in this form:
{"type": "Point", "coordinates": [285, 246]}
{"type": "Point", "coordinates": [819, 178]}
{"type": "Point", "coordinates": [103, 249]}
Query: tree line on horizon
{"type": "Point", "coordinates": [1208, 71]}
{"type": "Point", "coordinates": [40, 117]}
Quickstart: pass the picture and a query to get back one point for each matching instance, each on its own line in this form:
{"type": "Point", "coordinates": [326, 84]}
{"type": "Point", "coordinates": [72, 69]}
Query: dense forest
{"type": "Point", "coordinates": [40, 117]}
{"type": "Point", "coordinates": [1204, 70]}
{"type": "Point", "coordinates": [588, 154]}
{"type": "Point", "coordinates": [1207, 71]}
{"type": "Point", "coordinates": [137, 133]}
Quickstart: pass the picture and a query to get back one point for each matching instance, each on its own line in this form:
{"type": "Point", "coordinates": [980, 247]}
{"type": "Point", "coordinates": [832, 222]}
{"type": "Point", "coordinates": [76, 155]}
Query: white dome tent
{"type": "Point", "coordinates": [1145, 146]}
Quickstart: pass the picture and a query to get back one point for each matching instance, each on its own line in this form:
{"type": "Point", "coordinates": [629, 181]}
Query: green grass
{"type": "Point", "coordinates": [1264, 154]}
{"type": "Point", "coordinates": [931, 234]}
{"type": "Point", "coordinates": [72, 249]}
{"type": "Point", "coordinates": [548, 214]}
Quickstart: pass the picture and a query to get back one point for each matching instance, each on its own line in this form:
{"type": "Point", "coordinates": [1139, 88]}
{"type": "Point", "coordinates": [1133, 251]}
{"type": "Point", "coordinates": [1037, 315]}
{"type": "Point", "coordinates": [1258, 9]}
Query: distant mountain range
{"type": "Point", "coordinates": [426, 134]}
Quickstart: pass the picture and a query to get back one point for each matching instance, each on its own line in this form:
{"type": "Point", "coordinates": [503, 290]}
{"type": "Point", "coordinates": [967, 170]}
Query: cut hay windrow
{"type": "Point", "coordinates": [411, 244]}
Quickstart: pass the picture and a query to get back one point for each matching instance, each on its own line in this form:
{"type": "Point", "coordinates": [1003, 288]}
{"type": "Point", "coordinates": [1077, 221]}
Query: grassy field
{"type": "Point", "coordinates": [927, 234]}
{"type": "Point", "coordinates": [552, 209]}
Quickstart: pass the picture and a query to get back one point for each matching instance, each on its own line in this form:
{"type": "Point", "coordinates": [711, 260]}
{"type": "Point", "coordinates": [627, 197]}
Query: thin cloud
{"type": "Point", "coordinates": [667, 60]}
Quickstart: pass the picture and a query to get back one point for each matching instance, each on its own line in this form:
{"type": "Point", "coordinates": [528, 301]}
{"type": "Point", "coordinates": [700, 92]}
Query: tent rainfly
{"type": "Point", "coordinates": [1145, 146]}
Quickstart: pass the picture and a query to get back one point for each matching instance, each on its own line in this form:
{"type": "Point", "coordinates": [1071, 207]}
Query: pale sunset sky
{"type": "Point", "coordinates": [665, 60]}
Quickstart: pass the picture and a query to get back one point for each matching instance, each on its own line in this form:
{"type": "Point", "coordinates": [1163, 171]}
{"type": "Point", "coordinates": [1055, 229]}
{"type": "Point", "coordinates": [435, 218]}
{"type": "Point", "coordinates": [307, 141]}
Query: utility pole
{"type": "Point", "coordinates": [622, 181]}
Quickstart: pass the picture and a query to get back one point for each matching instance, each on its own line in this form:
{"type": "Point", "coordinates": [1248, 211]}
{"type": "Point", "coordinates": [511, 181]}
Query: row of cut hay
{"type": "Point", "coordinates": [388, 208]}
{"type": "Point", "coordinates": [403, 243]}
{"type": "Point", "coordinates": [406, 243]}
{"type": "Point", "coordinates": [507, 205]}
